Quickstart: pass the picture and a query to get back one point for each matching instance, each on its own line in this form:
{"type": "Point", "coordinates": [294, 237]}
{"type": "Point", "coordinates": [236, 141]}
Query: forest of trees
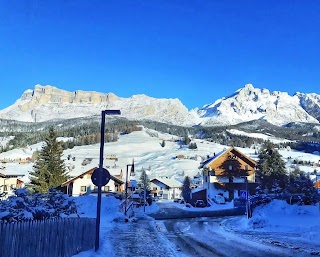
{"type": "Point", "coordinates": [87, 131]}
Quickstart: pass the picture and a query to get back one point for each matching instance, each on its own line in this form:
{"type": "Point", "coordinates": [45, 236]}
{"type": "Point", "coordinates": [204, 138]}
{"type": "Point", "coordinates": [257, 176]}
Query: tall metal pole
{"type": "Point", "coordinates": [247, 198]}
{"type": "Point", "coordinates": [103, 121]}
{"type": "Point", "coordinates": [125, 203]}
{"type": "Point", "coordinates": [145, 192]}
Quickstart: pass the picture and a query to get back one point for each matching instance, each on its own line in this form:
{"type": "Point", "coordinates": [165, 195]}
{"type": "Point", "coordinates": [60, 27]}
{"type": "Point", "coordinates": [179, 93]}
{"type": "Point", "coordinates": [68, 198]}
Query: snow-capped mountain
{"type": "Point", "coordinates": [246, 104]}
{"type": "Point", "coordinates": [48, 102]}
{"type": "Point", "coordinates": [249, 103]}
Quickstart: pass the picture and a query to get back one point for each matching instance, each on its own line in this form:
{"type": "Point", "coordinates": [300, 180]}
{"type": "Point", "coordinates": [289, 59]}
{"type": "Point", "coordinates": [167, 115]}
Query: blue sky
{"type": "Point", "coordinates": [197, 51]}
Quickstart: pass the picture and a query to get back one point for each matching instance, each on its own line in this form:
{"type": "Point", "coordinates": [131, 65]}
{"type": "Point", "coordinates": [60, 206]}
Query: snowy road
{"type": "Point", "coordinates": [195, 237]}
{"type": "Point", "coordinates": [205, 237]}
{"type": "Point", "coordinates": [139, 239]}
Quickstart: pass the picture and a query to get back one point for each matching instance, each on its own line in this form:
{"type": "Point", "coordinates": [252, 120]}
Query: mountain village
{"type": "Point", "coordinates": [167, 188]}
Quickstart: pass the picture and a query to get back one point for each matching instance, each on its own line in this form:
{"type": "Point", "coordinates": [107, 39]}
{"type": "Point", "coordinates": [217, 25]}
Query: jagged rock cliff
{"type": "Point", "coordinates": [246, 104]}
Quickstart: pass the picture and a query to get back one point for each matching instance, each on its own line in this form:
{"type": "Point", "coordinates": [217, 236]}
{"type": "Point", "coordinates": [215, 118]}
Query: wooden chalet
{"type": "Point", "coordinates": [228, 173]}
{"type": "Point", "coordinates": [82, 184]}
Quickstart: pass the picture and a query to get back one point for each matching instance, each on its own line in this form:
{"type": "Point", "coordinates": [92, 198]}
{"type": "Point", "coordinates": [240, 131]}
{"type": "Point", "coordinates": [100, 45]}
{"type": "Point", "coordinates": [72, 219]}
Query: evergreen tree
{"type": "Point", "coordinates": [300, 183]}
{"type": "Point", "coordinates": [49, 169]}
{"type": "Point", "coordinates": [186, 190]}
{"type": "Point", "coordinates": [163, 143]}
{"type": "Point", "coordinates": [144, 181]}
{"type": "Point", "coordinates": [271, 170]}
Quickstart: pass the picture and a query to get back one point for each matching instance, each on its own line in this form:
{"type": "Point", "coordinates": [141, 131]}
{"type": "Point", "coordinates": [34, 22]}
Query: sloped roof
{"type": "Point", "coordinates": [207, 162]}
{"type": "Point", "coordinates": [211, 159]}
{"type": "Point", "coordinates": [169, 182]}
{"type": "Point", "coordinates": [90, 172]}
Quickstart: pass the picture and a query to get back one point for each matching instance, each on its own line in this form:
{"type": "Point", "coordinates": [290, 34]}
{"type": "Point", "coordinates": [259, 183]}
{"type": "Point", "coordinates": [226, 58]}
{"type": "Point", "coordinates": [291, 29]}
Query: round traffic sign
{"type": "Point", "coordinates": [100, 177]}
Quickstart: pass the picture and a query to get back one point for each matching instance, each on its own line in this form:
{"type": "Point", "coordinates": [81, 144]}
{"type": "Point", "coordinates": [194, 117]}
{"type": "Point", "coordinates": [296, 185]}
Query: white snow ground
{"type": "Point", "coordinates": [290, 226]}
{"type": "Point", "coordinates": [147, 153]}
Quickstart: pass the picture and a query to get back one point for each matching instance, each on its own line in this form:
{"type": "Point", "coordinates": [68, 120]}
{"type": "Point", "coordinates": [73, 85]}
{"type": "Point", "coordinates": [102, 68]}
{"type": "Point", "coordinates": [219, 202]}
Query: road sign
{"type": "Point", "coordinates": [105, 177]}
{"type": "Point", "coordinates": [243, 194]}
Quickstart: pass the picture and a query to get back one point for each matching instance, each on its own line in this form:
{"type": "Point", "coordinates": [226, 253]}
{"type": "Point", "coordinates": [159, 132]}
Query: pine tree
{"type": "Point", "coordinates": [300, 183]}
{"type": "Point", "coordinates": [144, 181]}
{"type": "Point", "coordinates": [163, 144]}
{"type": "Point", "coordinates": [49, 169]}
{"type": "Point", "coordinates": [271, 170]}
{"type": "Point", "coordinates": [186, 190]}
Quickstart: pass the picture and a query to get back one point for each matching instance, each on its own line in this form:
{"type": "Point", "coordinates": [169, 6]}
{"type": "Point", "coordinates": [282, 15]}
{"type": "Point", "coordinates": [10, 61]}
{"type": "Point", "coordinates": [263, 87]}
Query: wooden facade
{"type": "Point", "coordinates": [228, 173]}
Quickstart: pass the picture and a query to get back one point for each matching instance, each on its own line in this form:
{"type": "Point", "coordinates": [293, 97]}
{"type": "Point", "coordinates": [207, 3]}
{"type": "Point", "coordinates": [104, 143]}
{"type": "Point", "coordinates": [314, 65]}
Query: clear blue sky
{"type": "Point", "coordinates": [197, 51]}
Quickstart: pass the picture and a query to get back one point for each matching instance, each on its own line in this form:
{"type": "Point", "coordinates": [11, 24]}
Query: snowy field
{"type": "Point", "coordinates": [258, 135]}
{"type": "Point", "coordinates": [147, 153]}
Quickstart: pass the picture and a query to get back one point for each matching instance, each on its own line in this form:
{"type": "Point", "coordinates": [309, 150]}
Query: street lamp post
{"type": "Point", "coordinates": [126, 192]}
{"type": "Point", "coordinates": [103, 121]}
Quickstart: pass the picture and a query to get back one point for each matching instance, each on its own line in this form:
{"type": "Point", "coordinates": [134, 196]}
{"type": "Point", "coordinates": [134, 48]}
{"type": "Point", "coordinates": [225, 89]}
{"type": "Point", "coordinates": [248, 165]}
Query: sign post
{"type": "Point", "coordinates": [100, 175]}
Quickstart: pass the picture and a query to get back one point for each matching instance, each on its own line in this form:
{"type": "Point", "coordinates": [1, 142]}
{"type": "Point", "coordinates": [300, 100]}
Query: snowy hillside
{"type": "Point", "coordinates": [144, 147]}
{"type": "Point", "coordinates": [246, 104]}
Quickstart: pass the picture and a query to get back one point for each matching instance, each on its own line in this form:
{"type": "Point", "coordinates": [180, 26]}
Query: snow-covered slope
{"type": "Point", "coordinates": [246, 104]}
{"type": "Point", "coordinates": [251, 103]}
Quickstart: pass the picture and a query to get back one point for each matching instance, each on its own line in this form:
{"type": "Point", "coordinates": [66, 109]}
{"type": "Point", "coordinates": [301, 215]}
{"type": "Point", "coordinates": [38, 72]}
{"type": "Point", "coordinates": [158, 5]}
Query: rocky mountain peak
{"type": "Point", "coordinates": [246, 104]}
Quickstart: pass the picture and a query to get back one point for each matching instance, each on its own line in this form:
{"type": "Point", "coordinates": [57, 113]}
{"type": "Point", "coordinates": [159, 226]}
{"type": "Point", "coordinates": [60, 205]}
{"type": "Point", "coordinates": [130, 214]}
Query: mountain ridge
{"type": "Point", "coordinates": [245, 104]}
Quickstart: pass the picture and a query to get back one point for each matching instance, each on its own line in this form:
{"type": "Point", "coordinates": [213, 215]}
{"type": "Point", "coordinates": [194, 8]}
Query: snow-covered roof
{"type": "Point", "coordinates": [169, 182]}
{"type": "Point", "coordinates": [210, 159]}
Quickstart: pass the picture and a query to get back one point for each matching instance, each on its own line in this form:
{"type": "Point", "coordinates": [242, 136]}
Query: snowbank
{"type": "Point", "coordinates": [278, 216]}
{"type": "Point", "coordinates": [109, 213]}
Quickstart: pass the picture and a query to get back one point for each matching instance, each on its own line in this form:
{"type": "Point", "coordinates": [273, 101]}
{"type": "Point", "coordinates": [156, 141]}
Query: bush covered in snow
{"type": "Point", "coordinates": [23, 206]}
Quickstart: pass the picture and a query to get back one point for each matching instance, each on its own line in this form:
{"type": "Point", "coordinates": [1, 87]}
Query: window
{"type": "Point", "coordinates": [83, 189]}
{"type": "Point", "coordinates": [5, 188]}
{"type": "Point", "coordinates": [230, 167]}
{"type": "Point", "coordinates": [246, 167]}
{"type": "Point", "coordinates": [155, 188]}
{"type": "Point", "coordinates": [106, 188]}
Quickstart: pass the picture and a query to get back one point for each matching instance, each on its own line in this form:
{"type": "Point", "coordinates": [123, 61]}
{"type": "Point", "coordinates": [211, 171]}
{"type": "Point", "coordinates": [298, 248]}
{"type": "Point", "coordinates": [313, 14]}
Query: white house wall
{"type": "Point", "coordinates": [86, 181]}
{"type": "Point", "coordinates": [9, 183]}
{"type": "Point", "coordinates": [170, 193]}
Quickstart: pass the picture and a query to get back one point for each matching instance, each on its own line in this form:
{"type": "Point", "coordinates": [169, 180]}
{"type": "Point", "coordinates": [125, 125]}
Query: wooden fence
{"type": "Point", "coordinates": [63, 237]}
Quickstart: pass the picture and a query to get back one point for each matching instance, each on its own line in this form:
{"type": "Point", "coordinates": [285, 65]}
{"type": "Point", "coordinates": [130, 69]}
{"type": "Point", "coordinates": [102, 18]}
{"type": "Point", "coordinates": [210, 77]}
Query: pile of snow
{"type": "Point", "coordinates": [278, 216]}
{"type": "Point", "coordinates": [88, 207]}
{"type": "Point", "coordinates": [109, 213]}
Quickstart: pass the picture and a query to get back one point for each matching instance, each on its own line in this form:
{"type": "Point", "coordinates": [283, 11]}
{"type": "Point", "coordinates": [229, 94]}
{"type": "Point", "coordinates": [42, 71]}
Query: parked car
{"type": "Point", "coordinates": [188, 205]}
{"type": "Point", "coordinates": [200, 204]}
{"type": "Point", "coordinates": [219, 199]}
{"type": "Point", "coordinates": [176, 200]}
